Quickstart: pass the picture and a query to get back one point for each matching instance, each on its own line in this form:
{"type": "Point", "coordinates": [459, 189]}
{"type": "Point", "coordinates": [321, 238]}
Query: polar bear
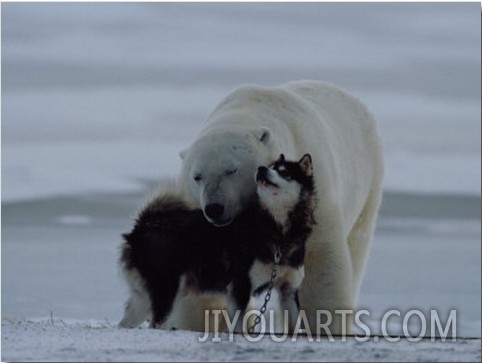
{"type": "Point", "coordinates": [252, 126]}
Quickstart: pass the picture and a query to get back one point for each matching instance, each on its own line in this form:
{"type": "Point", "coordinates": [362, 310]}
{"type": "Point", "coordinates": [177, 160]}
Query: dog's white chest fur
{"type": "Point", "coordinates": [260, 274]}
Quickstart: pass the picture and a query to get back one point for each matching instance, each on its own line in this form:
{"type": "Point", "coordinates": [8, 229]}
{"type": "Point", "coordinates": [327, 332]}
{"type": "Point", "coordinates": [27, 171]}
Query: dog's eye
{"type": "Point", "coordinates": [197, 177]}
{"type": "Point", "coordinates": [281, 169]}
{"type": "Point", "coordinates": [230, 171]}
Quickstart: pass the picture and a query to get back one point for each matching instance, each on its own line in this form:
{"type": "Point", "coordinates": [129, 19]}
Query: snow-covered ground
{"type": "Point", "coordinates": [92, 341]}
{"type": "Point", "coordinates": [98, 99]}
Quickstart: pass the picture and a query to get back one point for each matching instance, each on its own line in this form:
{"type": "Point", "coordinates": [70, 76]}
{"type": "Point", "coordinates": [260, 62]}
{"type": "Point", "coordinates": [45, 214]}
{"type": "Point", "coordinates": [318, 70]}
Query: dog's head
{"type": "Point", "coordinates": [281, 184]}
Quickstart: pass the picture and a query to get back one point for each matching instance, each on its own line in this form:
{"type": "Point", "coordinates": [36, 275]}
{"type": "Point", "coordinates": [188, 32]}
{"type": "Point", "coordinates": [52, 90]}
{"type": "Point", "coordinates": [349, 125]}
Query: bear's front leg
{"type": "Point", "coordinates": [327, 290]}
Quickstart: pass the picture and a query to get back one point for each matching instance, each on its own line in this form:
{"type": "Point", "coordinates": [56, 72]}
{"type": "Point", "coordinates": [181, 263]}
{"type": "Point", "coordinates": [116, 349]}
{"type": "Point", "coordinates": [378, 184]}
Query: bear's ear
{"type": "Point", "coordinates": [263, 134]}
{"type": "Point", "coordinates": [183, 153]}
{"type": "Point", "coordinates": [306, 165]}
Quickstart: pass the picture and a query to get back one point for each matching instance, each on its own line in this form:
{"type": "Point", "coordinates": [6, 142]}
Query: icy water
{"type": "Point", "coordinates": [59, 256]}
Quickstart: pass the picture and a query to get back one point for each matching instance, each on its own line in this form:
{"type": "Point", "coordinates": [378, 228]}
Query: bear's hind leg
{"type": "Point", "coordinates": [360, 237]}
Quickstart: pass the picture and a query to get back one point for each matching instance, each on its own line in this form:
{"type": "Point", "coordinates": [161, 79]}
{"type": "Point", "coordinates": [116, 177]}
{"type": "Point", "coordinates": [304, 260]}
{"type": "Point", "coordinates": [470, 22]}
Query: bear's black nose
{"type": "Point", "coordinates": [214, 211]}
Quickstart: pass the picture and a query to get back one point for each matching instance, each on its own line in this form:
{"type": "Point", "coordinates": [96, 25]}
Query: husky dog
{"type": "Point", "coordinates": [173, 244]}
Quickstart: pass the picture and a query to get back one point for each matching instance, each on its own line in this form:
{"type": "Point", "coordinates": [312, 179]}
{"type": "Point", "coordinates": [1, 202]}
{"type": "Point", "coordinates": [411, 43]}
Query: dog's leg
{"type": "Point", "coordinates": [238, 299]}
{"type": "Point", "coordinates": [137, 310]}
{"type": "Point", "coordinates": [232, 309]}
{"type": "Point", "coordinates": [162, 298]}
{"type": "Point", "coordinates": [290, 302]}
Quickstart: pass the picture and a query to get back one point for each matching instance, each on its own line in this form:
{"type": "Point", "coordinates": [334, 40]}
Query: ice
{"type": "Point", "coordinates": [79, 168]}
{"type": "Point", "coordinates": [82, 73]}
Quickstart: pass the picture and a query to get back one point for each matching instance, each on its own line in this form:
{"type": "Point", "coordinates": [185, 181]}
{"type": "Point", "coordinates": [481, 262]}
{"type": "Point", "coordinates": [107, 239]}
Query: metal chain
{"type": "Point", "coordinates": [267, 297]}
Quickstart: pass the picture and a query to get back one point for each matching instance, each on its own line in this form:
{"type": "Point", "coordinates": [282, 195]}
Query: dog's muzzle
{"type": "Point", "coordinates": [262, 177]}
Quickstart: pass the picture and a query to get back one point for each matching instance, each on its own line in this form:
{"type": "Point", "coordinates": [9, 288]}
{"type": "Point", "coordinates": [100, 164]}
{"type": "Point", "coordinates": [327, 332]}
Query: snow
{"type": "Point", "coordinates": [99, 98]}
{"type": "Point", "coordinates": [70, 340]}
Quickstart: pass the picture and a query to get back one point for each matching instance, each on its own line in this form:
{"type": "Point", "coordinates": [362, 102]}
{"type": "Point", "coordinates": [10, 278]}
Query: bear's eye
{"type": "Point", "coordinates": [230, 171]}
{"type": "Point", "coordinates": [197, 177]}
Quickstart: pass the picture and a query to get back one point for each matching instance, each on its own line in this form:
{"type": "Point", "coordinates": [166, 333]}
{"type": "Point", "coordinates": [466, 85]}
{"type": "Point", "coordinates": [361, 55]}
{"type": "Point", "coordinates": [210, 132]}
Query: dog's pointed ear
{"type": "Point", "coordinates": [281, 158]}
{"type": "Point", "coordinates": [264, 135]}
{"type": "Point", "coordinates": [306, 164]}
{"type": "Point", "coordinates": [183, 153]}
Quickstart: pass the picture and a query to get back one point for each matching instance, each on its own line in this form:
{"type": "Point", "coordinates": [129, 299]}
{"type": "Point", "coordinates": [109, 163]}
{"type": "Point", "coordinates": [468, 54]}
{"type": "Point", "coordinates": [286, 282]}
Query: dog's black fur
{"type": "Point", "coordinates": [171, 240]}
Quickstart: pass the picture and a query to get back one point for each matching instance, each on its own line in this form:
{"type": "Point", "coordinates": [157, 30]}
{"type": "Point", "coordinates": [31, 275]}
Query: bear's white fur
{"type": "Point", "coordinates": [252, 126]}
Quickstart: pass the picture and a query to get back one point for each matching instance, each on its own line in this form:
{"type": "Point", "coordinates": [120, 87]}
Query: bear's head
{"type": "Point", "coordinates": [218, 170]}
